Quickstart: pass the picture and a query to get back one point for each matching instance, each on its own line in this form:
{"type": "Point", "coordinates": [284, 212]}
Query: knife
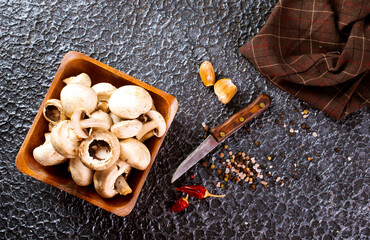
{"type": "Point", "coordinates": [221, 132]}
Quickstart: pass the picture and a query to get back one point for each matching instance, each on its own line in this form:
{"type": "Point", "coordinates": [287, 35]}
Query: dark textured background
{"type": "Point", "coordinates": [163, 44]}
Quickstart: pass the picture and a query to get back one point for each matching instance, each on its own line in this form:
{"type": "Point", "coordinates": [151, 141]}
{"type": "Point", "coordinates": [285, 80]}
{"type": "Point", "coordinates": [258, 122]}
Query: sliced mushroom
{"type": "Point", "coordinates": [64, 139]}
{"type": "Point", "coordinates": [53, 111]}
{"type": "Point", "coordinates": [110, 182]}
{"type": "Point", "coordinates": [156, 123]}
{"type": "Point", "coordinates": [46, 155]}
{"type": "Point", "coordinates": [96, 122]}
{"type": "Point", "coordinates": [135, 153]}
{"type": "Point", "coordinates": [81, 174]}
{"type": "Point", "coordinates": [82, 78]}
{"type": "Point", "coordinates": [130, 102]}
{"type": "Point", "coordinates": [75, 96]}
{"type": "Point", "coordinates": [104, 91]}
{"type": "Point", "coordinates": [100, 150]}
{"type": "Point", "coordinates": [126, 128]}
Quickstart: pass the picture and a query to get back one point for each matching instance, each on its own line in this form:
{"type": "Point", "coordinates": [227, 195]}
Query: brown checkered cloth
{"type": "Point", "coordinates": [317, 50]}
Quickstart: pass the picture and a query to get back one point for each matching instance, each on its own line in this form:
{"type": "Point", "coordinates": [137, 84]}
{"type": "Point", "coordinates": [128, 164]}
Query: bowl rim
{"type": "Point", "coordinates": [21, 162]}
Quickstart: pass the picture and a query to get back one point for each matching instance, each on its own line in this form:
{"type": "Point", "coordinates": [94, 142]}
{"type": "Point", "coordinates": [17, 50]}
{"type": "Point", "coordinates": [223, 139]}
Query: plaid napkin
{"type": "Point", "coordinates": [317, 50]}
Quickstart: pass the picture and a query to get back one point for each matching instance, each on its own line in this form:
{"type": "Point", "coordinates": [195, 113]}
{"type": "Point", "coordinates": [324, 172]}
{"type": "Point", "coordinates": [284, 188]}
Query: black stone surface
{"type": "Point", "coordinates": [163, 44]}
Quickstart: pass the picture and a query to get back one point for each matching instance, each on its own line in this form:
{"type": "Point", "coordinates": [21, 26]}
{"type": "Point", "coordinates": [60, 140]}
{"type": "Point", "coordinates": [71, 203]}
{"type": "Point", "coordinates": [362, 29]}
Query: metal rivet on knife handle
{"type": "Point", "coordinates": [222, 134]}
{"type": "Point", "coordinates": [262, 105]}
{"type": "Point", "coordinates": [241, 119]}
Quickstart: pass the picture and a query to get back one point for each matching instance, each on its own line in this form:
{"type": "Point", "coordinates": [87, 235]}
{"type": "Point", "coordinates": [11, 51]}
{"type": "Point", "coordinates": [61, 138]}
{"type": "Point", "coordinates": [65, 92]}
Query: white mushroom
{"type": "Point", "coordinates": [74, 96]}
{"type": "Point", "coordinates": [99, 121]}
{"type": "Point", "coordinates": [46, 155]}
{"type": "Point", "coordinates": [82, 78]}
{"type": "Point", "coordinates": [126, 128]}
{"type": "Point", "coordinates": [114, 118]}
{"type": "Point", "coordinates": [110, 182]}
{"type": "Point", "coordinates": [130, 102]}
{"type": "Point", "coordinates": [104, 91]}
{"type": "Point", "coordinates": [135, 153]}
{"type": "Point", "coordinates": [80, 174]}
{"type": "Point", "coordinates": [103, 117]}
{"type": "Point", "coordinates": [53, 111]}
{"type": "Point", "coordinates": [100, 150]}
{"type": "Point", "coordinates": [156, 123]}
{"type": "Point", "coordinates": [64, 140]}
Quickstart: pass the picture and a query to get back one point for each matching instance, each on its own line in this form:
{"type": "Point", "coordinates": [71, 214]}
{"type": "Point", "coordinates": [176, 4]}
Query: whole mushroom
{"type": "Point", "coordinates": [76, 95]}
{"type": "Point", "coordinates": [97, 121]}
{"type": "Point", "coordinates": [130, 101]}
{"type": "Point", "coordinates": [64, 139]}
{"type": "Point", "coordinates": [100, 150]}
{"type": "Point", "coordinates": [53, 111]}
{"type": "Point", "coordinates": [110, 182]}
{"type": "Point", "coordinates": [127, 128]}
{"type": "Point", "coordinates": [156, 125]}
{"type": "Point", "coordinates": [46, 155]}
{"type": "Point", "coordinates": [80, 174]}
{"type": "Point", "coordinates": [135, 153]}
{"type": "Point", "coordinates": [82, 78]}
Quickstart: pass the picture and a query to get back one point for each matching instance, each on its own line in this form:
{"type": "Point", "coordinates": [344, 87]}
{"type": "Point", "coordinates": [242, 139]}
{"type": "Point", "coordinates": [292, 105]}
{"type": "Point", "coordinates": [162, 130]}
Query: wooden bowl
{"type": "Point", "coordinates": [58, 176]}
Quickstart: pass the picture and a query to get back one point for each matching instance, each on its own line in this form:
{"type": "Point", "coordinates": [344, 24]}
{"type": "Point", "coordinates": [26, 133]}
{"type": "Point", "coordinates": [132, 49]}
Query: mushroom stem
{"type": "Point", "coordinates": [147, 136]}
{"type": "Point", "coordinates": [87, 123]}
{"type": "Point", "coordinates": [212, 195]}
{"type": "Point", "coordinates": [122, 186]}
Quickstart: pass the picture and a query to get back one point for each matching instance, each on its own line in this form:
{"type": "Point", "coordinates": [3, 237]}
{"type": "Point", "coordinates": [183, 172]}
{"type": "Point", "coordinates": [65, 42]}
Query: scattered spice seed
{"type": "Point", "coordinates": [225, 146]}
{"type": "Point", "coordinates": [222, 155]}
{"type": "Point", "coordinates": [248, 131]}
{"type": "Point", "coordinates": [280, 116]}
{"type": "Point", "coordinates": [277, 121]}
{"type": "Point", "coordinates": [256, 143]}
{"type": "Point", "coordinates": [314, 134]}
{"type": "Point", "coordinates": [269, 158]}
{"type": "Point", "coordinates": [303, 125]}
{"type": "Point", "coordinates": [305, 111]}
{"type": "Point", "coordinates": [212, 166]}
{"type": "Point", "coordinates": [336, 150]}
{"type": "Point", "coordinates": [192, 176]}
{"type": "Point", "coordinates": [309, 159]}
{"type": "Point", "coordinates": [282, 155]}
{"type": "Point", "coordinates": [260, 125]}
{"type": "Point", "coordinates": [204, 164]}
{"type": "Point", "coordinates": [308, 130]}
{"type": "Point", "coordinates": [230, 153]}
{"type": "Point", "coordinates": [291, 122]}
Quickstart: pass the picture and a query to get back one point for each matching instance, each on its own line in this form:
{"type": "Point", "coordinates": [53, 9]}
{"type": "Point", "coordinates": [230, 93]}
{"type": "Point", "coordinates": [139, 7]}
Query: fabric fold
{"type": "Point", "coordinates": [318, 51]}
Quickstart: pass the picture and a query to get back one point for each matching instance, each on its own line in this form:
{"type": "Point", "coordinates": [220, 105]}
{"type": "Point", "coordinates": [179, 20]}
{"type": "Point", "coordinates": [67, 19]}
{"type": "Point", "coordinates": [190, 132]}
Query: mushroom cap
{"type": "Point", "coordinates": [82, 78]}
{"type": "Point", "coordinates": [53, 111]}
{"type": "Point", "coordinates": [135, 153]}
{"type": "Point", "coordinates": [104, 90]}
{"type": "Point", "coordinates": [105, 180]}
{"type": "Point", "coordinates": [156, 123]}
{"type": "Point", "coordinates": [74, 96]}
{"type": "Point", "coordinates": [114, 118]}
{"type": "Point", "coordinates": [130, 102]}
{"type": "Point", "coordinates": [126, 128]}
{"type": "Point", "coordinates": [64, 140]}
{"type": "Point", "coordinates": [46, 155]}
{"type": "Point", "coordinates": [80, 174]}
{"type": "Point", "coordinates": [100, 150]}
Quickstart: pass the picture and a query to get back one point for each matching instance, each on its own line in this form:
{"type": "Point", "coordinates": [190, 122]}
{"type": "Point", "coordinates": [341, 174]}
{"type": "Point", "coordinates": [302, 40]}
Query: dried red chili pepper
{"type": "Point", "coordinates": [197, 191]}
{"type": "Point", "coordinates": [180, 204]}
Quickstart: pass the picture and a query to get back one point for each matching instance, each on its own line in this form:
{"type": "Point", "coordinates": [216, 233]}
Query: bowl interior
{"type": "Point", "coordinates": [73, 64]}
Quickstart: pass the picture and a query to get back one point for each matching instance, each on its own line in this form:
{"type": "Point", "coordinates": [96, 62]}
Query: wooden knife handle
{"type": "Point", "coordinates": [240, 118]}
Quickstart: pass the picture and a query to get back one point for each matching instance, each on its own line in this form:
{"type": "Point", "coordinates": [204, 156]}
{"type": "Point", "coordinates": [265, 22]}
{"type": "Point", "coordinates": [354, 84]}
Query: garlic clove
{"type": "Point", "coordinates": [225, 90]}
{"type": "Point", "coordinates": [207, 74]}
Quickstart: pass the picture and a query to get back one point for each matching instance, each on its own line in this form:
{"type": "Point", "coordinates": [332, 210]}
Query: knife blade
{"type": "Point", "coordinates": [223, 131]}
